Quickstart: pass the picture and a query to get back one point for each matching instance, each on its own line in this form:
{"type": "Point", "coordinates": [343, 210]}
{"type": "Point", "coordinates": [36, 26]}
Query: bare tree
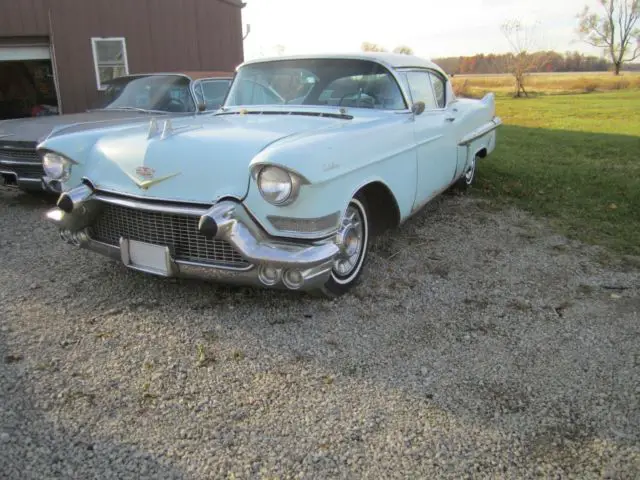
{"type": "Point", "coordinates": [614, 31]}
{"type": "Point", "coordinates": [403, 49]}
{"type": "Point", "coordinates": [522, 60]}
{"type": "Point", "coordinates": [371, 47]}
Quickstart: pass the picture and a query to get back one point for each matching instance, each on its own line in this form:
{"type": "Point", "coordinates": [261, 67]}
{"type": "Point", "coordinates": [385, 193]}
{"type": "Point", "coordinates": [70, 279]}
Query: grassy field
{"type": "Point", "coordinates": [574, 159]}
{"type": "Point", "coordinates": [553, 83]}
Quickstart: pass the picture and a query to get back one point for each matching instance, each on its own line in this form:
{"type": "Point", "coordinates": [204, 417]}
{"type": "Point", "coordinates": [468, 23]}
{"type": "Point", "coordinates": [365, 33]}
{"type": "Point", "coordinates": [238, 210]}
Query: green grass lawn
{"type": "Point", "coordinates": [574, 159]}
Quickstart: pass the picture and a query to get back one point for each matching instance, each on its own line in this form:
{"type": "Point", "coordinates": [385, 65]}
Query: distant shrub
{"type": "Point", "coordinates": [461, 88]}
{"type": "Point", "coordinates": [586, 85]}
{"type": "Point", "coordinates": [620, 84]}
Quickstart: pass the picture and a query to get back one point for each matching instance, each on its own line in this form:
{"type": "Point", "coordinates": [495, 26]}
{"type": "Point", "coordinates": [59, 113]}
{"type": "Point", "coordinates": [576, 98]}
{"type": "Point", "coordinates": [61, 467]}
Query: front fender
{"type": "Point", "coordinates": [337, 164]}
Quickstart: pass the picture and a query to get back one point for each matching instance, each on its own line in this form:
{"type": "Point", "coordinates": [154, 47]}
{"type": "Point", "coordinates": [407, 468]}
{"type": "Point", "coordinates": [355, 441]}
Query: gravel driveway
{"type": "Point", "coordinates": [480, 345]}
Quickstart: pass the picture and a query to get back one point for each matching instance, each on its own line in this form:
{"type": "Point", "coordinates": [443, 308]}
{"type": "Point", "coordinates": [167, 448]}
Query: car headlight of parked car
{"type": "Point", "coordinates": [56, 166]}
{"type": "Point", "coordinates": [277, 185]}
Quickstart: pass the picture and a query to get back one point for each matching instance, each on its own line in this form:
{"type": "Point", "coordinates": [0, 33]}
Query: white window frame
{"type": "Point", "coordinates": [94, 41]}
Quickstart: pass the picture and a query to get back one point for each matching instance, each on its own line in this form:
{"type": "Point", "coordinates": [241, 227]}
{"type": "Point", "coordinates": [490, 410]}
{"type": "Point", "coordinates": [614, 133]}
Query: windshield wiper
{"type": "Point", "coordinates": [128, 109]}
{"type": "Point", "coordinates": [342, 116]}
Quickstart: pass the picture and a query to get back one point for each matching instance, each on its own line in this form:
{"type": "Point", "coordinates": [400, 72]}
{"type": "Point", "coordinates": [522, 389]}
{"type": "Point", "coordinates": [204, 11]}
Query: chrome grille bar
{"type": "Point", "coordinates": [178, 231]}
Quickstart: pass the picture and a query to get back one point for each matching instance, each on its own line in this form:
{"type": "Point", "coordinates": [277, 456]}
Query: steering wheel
{"type": "Point", "coordinates": [369, 101]}
{"type": "Point", "coordinates": [175, 105]}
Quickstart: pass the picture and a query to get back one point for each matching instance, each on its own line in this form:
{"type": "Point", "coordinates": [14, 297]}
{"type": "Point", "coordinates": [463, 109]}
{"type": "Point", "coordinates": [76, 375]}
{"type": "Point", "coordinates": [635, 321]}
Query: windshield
{"type": "Point", "coordinates": [319, 82]}
{"type": "Point", "coordinates": [167, 93]}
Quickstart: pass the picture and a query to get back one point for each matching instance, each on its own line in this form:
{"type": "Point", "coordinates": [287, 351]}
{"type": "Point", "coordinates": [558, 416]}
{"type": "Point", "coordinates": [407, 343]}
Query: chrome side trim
{"type": "Point", "coordinates": [481, 131]}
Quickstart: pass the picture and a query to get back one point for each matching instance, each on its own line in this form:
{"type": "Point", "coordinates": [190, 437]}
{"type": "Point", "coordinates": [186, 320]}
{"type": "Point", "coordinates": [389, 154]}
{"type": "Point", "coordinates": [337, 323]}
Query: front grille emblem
{"type": "Point", "coordinates": [145, 172]}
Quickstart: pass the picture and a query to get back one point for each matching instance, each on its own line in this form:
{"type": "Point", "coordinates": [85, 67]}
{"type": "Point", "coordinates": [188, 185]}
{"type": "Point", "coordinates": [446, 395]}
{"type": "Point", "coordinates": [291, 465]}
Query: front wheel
{"type": "Point", "coordinates": [353, 238]}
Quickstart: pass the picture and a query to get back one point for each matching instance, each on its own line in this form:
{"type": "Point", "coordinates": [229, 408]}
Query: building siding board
{"type": "Point", "coordinates": [161, 36]}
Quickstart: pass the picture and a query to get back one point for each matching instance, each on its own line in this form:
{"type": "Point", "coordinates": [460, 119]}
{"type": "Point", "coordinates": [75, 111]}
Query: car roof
{"type": "Point", "coordinates": [192, 75]}
{"type": "Point", "coordinates": [390, 60]}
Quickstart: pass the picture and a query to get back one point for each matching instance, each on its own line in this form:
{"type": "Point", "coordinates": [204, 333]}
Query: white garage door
{"type": "Point", "coordinates": [39, 52]}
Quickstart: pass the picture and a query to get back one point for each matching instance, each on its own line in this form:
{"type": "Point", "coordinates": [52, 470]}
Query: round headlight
{"type": "Point", "coordinates": [275, 185]}
{"type": "Point", "coordinates": [56, 167]}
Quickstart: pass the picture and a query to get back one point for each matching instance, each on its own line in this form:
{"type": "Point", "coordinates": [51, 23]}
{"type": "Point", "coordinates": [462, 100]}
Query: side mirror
{"type": "Point", "coordinates": [417, 108]}
{"type": "Point", "coordinates": [202, 107]}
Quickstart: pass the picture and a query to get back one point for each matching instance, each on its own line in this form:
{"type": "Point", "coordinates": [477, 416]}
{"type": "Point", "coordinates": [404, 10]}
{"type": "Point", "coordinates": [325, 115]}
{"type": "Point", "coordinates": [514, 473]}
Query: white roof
{"type": "Point", "coordinates": [390, 60]}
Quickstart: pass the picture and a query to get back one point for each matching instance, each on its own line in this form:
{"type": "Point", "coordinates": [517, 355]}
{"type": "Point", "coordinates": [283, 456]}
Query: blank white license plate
{"type": "Point", "coordinates": [145, 256]}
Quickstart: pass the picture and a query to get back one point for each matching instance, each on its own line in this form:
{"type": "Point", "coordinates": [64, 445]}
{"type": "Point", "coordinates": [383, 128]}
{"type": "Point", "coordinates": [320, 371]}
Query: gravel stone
{"type": "Point", "coordinates": [479, 345]}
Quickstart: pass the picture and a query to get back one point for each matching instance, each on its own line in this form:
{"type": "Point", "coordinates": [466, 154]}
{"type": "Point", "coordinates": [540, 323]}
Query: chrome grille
{"type": "Point", "coordinates": [19, 154]}
{"type": "Point", "coordinates": [24, 154]}
{"type": "Point", "coordinates": [178, 232]}
{"type": "Point", "coordinates": [24, 171]}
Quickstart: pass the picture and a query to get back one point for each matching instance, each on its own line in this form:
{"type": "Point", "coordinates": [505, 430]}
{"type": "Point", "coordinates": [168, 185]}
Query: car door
{"type": "Point", "coordinates": [434, 135]}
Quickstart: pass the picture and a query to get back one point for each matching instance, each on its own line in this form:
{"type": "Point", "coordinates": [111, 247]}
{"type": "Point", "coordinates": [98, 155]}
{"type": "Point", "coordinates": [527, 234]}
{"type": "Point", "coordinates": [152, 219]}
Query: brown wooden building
{"type": "Point", "coordinates": [57, 52]}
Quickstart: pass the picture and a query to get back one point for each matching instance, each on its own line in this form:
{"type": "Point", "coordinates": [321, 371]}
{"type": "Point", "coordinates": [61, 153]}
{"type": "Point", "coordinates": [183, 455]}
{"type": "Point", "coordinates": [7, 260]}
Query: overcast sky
{"type": "Point", "coordinates": [433, 28]}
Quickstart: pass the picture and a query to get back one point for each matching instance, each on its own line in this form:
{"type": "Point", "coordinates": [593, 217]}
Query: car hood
{"type": "Point", "coordinates": [36, 129]}
{"type": "Point", "coordinates": [197, 161]}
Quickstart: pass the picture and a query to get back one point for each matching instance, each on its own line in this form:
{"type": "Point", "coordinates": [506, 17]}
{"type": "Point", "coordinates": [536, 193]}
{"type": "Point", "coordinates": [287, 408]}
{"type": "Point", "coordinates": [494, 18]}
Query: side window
{"type": "Point", "coordinates": [439, 89]}
{"type": "Point", "coordinates": [421, 89]}
{"type": "Point", "coordinates": [214, 92]}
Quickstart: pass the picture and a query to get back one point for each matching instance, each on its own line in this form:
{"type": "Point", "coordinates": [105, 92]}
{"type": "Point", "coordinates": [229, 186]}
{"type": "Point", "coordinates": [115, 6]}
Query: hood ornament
{"type": "Point", "coordinates": [167, 129]}
{"type": "Point", "coordinates": [153, 128]}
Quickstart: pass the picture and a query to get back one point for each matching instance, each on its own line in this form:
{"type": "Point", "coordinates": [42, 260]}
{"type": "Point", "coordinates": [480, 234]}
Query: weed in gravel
{"type": "Point", "coordinates": [13, 358]}
{"type": "Point", "coordinates": [237, 355]}
{"type": "Point", "coordinates": [202, 359]}
{"type": "Point", "coordinates": [519, 304]}
{"type": "Point", "coordinates": [560, 309]}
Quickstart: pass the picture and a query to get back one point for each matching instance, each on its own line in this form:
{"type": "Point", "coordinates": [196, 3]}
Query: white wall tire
{"type": "Point", "coordinates": [354, 234]}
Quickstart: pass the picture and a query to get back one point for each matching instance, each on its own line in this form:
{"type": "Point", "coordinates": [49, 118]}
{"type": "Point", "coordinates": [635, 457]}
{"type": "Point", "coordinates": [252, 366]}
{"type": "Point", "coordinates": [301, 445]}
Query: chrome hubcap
{"type": "Point", "coordinates": [471, 171]}
{"type": "Point", "coordinates": [350, 240]}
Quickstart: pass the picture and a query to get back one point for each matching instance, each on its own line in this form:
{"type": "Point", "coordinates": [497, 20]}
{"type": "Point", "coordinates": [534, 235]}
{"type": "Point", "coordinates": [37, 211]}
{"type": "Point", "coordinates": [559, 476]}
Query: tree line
{"type": "Point", "coordinates": [544, 61]}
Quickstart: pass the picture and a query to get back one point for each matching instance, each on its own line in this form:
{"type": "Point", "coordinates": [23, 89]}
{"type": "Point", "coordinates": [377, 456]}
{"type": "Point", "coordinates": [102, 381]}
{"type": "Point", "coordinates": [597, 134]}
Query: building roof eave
{"type": "Point", "coordinates": [235, 3]}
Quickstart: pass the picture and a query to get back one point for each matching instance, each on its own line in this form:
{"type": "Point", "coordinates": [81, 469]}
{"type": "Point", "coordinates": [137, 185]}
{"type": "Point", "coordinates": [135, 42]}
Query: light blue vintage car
{"type": "Point", "coordinates": [308, 159]}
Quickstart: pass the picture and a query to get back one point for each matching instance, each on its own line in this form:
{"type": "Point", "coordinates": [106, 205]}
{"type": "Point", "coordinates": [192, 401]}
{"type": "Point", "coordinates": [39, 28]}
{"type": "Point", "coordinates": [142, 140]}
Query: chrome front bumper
{"type": "Point", "coordinates": [274, 263]}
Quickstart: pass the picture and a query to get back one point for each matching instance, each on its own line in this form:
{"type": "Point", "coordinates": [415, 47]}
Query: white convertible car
{"type": "Point", "coordinates": [309, 157]}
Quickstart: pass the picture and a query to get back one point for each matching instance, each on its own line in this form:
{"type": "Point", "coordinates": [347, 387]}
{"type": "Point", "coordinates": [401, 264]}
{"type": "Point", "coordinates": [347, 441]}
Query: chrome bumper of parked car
{"type": "Point", "coordinates": [271, 262]}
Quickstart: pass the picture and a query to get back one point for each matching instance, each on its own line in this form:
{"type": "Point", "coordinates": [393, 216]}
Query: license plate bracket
{"type": "Point", "coordinates": [146, 257]}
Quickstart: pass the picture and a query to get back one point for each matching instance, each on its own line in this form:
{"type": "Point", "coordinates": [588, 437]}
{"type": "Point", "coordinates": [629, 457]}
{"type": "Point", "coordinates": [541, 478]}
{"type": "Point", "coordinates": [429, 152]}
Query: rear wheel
{"type": "Point", "coordinates": [469, 175]}
{"type": "Point", "coordinates": [353, 238]}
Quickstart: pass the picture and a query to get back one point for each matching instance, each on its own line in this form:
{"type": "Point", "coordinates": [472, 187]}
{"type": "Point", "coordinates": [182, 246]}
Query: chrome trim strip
{"type": "Point", "coordinates": [20, 149]}
{"type": "Point", "coordinates": [4, 161]}
{"type": "Point", "coordinates": [149, 207]}
{"type": "Point", "coordinates": [100, 190]}
{"type": "Point", "coordinates": [481, 131]}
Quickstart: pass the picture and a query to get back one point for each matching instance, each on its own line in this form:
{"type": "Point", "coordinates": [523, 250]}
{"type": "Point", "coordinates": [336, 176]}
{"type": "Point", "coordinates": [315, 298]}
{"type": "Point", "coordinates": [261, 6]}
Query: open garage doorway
{"type": "Point", "coordinates": [27, 86]}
